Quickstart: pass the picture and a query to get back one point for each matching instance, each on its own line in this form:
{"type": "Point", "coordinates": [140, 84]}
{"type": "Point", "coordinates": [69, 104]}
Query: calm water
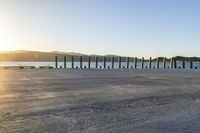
{"type": "Point", "coordinates": [100, 64]}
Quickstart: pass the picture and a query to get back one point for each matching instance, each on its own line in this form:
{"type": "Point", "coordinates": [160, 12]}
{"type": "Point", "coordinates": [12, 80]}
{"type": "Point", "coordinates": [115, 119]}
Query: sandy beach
{"type": "Point", "coordinates": [102, 101]}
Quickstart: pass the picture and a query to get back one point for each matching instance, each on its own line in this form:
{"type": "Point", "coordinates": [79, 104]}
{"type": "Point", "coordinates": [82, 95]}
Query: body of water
{"type": "Point", "coordinates": [100, 64]}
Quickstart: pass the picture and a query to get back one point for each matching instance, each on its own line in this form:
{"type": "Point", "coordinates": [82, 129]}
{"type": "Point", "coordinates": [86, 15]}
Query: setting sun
{"type": "Point", "coordinates": [5, 46]}
{"type": "Point", "coordinates": [8, 32]}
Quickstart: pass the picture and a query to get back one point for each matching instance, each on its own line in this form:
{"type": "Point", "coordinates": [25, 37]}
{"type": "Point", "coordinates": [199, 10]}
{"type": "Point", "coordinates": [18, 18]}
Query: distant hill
{"type": "Point", "coordinates": [25, 55]}
{"type": "Point", "coordinates": [69, 53]}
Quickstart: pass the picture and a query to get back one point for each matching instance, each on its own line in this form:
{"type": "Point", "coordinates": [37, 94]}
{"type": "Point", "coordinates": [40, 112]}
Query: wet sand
{"type": "Point", "coordinates": [135, 101]}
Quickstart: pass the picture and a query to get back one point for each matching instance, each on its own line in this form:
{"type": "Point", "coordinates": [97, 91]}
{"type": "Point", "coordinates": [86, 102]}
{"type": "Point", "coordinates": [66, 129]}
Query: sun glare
{"type": "Point", "coordinates": [5, 48]}
{"type": "Point", "coordinates": [7, 31]}
{"type": "Point", "coordinates": [5, 45]}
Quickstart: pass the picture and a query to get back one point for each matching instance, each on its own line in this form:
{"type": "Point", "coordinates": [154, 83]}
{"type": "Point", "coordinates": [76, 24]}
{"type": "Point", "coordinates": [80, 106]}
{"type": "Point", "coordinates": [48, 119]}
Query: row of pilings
{"type": "Point", "coordinates": [173, 62]}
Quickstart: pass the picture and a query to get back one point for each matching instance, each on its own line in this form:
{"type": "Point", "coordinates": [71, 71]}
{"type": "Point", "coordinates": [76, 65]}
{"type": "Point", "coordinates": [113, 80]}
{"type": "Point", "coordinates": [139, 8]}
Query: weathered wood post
{"type": "Point", "coordinates": [96, 60]}
{"type": "Point", "coordinates": [191, 64]}
{"type": "Point", "coordinates": [158, 63]}
{"type": "Point", "coordinates": [89, 60]}
{"type": "Point", "coordinates": [183, 62]}
{"type": "Point", "coordinates": [113, 60]}
{"type": "Point", "coordinates": [56, 62]}
{"type": "Point", "coordinates": [142, 62]}
{"type": "Point", "coordinates": [81, 61]}
{"type": "Point", "coordinates": [72, 61]}
{"type": "Point", "coordinates": [171, 63]}
{"type": "Point", "coordinates": [104, 62]}
{"type": "Point", "coordinates": [175, 63]}
{"type": "Point", "coordinates": [127, 62]}
{"type": "Point", "coordinates": [120, 61]}
{"type": "Point", "coordinates": [164, 62]}
{"type": "Point", "coordinates": [65, 62]}
{"type": "Point", "coordinates": [135, 62]}
{"type": "Point", "coordinates": [150, 62]}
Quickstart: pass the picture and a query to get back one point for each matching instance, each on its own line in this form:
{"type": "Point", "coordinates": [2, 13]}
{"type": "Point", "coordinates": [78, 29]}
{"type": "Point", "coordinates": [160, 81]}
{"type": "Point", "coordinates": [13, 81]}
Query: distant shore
{"type": "Point", "coordinates": [35, 56]}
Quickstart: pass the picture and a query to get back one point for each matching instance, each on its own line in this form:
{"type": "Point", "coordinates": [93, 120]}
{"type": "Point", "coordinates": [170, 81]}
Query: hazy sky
{"type": "Point", "coordinates": [124, 27]}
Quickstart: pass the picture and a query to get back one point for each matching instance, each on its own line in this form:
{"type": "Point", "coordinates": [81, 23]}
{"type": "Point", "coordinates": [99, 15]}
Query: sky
{"type": "Point", "coordinates": [122, 27]}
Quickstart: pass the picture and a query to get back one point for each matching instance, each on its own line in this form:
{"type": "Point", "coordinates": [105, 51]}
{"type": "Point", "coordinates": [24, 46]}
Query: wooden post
{"type": "Point", "coordinates": [104, 62]}
{"type": "Point", "coordinates": [96, 60]}
{"type": "Point", "coordinates": [72, 61]}
{"type": "Point", "coordinates": [171, 63]}
{"type": "Point", "coordinates": [191, 64]}
{"type": "Point", "coordinates": [175, 64]}
{"type": "Point", "coordinates": [65, 62]}
{"type": "Point", "coordinates": [120, 60]}
{"type": "Point", "coordinates": [183, 63]}
{"type": "Point", "coordinates": [56, 62]}
{"type": "Point", "coordinates": [89, 60]}
{"type": "Point", "coordinates": [142, 62]}
{"type": "Point", "coordinates": [150, 61]}
{"type": "Point", "coordinates": [135, 62]}
{"type": "Point", "coordinates": [164, 62]}
{"type": "Point", "coordinates": [81, 61]}
{"type": "Point", "coordinates": [127, 62]}
{"type": "Point", "coordinates": [113, 60]}
{"type": "Point", "coordinates": [158, 61]}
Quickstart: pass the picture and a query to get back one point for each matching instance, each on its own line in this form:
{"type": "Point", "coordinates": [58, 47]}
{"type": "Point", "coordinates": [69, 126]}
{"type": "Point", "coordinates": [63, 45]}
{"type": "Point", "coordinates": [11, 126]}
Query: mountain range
{"type": "Point", "coordinates": [38, 56]}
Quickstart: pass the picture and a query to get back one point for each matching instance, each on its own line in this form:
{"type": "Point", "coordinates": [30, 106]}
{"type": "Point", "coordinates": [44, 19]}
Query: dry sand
{"type": "Point", "coordinates": [135, 101]}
